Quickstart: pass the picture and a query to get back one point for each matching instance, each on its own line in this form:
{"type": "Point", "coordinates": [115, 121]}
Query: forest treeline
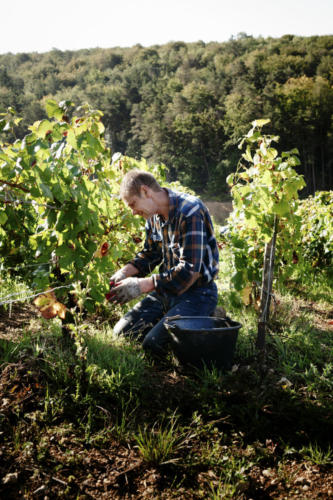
{"type": "Point", "coordinates": [188, 104]}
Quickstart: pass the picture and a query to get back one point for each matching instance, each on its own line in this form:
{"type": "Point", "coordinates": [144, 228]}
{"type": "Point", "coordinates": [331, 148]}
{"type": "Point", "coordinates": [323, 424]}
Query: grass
{"type": "Point", "coordinates": [114, 364]}
{"type": "Point", "coordinates": [11, 288]}
{"type": "Point", "coordinates": [316, 455]}
{"type": "Point", "coordinates": [200, 434]}
{"type": "Point", "coordinates": [159, 444]}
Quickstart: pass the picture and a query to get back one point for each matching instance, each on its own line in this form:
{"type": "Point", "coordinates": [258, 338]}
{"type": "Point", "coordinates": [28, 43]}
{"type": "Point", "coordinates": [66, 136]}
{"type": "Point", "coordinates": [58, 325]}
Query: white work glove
{"type": "Point", "coordinates": [128, 289]}
{"type": "Point", "coordinates": [116, 277]}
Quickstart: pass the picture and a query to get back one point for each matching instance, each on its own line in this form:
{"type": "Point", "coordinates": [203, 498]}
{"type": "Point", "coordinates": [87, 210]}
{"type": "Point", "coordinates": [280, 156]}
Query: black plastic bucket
{"type": "Point", "coordinates": [203, 340]}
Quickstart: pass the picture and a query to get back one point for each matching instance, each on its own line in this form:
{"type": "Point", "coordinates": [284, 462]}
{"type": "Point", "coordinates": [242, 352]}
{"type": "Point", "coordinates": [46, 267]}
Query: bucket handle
{"type": "Point", "coordinates": [172, 318]}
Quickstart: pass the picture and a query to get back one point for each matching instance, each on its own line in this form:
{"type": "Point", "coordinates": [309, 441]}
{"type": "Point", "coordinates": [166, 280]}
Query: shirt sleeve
{"type": "Point", "coordinates": [189, 258]}
{"type": "Point", "coordinates": [151, 255]}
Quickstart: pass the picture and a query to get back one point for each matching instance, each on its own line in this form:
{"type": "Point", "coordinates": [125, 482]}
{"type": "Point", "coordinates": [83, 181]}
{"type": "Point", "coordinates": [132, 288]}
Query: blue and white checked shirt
{"type": "Point", "coordinates": [184, 246]}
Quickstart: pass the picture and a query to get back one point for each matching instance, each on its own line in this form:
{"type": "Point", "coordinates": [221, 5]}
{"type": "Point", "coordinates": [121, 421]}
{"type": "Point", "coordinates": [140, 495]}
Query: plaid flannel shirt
{"type": "Point", "coordinates": [184, 246]}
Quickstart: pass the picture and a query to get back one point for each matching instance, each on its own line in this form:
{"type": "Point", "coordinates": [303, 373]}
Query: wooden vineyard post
{"type": "Point", "coordinates": [266, 288]}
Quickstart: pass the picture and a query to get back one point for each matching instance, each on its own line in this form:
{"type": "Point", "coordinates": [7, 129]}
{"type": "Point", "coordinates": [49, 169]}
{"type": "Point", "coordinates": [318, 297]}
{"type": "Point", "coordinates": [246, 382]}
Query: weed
{"type": "Point", "coordinates": [43, 450]}
{"type": "Point", "coordinates": [18, 439]}
{"type": "Point", "coordinates": [221, 490]}
{"type": "Point", "coordinates": [159, 445]}
{"type": "Point", "coordinates": [124, 420]}
{"type": "Point", "coordinates": [53, 406]}
{"type": "Point", "coordinates": [317, 455]}
{"type": "Point", "coordinates": [317, 379]}
{"type": "Point", "coordinates": [11, 352]}
{"type": "Point", "coordinates": [232, 478]}
{"type": "Point", "coordinates": [287, 474]}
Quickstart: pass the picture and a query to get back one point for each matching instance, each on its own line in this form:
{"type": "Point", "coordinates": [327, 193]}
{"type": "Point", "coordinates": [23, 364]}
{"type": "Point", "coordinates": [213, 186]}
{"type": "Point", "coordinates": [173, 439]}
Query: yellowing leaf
{"type": "Point", "coordinates": [44, 299]}
{"type": "Point", "coordinates": [49, 307]}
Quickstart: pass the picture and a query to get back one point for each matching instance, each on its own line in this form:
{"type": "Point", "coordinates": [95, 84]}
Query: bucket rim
{"type": "Point", "coordinates": [172, 321]}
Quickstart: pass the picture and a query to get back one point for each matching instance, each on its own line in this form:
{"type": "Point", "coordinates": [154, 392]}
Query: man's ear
{"type": "Point", "coordinates": [145, 192]}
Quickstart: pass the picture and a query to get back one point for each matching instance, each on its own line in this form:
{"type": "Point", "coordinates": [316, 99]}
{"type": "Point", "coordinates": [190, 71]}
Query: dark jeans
{"type": "Point", "coordinates": [146, 319]}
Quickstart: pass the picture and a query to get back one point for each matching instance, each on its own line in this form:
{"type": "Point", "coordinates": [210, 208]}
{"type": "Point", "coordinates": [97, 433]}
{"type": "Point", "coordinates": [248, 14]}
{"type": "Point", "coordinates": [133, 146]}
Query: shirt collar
{"type": "Point", "coordinates": [172, 207]}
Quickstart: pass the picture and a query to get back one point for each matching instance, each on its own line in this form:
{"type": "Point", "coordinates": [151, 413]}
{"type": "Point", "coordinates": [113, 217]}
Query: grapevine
{"type": "Point", "coordinates": [59, 203]}
{"type": "Point", "coordinates": [264, 186]}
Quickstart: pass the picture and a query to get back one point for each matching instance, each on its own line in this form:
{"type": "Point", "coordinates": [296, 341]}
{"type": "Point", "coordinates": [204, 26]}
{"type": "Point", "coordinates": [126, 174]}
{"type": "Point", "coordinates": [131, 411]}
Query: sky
{"type": "Point", "coordinates": [40, 26]}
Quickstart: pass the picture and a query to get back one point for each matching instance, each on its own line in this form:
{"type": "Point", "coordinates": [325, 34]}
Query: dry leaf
{"type": "Point", "coordinates": [49, 307]}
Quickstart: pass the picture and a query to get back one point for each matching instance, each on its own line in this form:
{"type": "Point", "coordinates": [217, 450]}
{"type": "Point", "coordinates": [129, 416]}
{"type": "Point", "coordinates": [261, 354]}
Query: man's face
{"type": "Point", "coordinates": [141, 205]}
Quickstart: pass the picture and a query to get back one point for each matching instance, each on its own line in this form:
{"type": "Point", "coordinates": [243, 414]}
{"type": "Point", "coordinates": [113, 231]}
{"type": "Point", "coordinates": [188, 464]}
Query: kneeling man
{"type": "Point", "coordinates": [180, 240]}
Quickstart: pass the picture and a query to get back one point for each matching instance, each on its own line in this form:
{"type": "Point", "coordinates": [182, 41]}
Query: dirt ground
{"type": "Point", "coordinates": [59, 463]}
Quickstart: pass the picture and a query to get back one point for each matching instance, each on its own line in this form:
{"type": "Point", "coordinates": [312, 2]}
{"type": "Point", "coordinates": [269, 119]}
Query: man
{"type": "Point", "coordinates": [179, 238]}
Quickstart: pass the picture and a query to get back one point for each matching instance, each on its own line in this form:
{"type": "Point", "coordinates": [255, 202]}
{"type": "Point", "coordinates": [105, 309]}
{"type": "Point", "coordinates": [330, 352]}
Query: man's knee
{"type": "Point", "coordinates": [156, 342]}
{"type": "Point", "coordinates": [131, 328]}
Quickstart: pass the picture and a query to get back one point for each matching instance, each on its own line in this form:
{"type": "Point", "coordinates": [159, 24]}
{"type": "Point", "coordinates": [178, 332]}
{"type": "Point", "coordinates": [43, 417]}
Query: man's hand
{"type": "Point", "coordinates": [126, 290]}
{"type": "Point", "coordinates": [116, 277]}
{"type": "Point", "coordinates": [123, 273]}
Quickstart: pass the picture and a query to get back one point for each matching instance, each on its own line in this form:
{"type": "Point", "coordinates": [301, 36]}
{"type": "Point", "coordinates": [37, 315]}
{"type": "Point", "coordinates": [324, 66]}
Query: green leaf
{"type": "Point", "coordinates": [46, 191]}
{"type": "Point", "coordinates": [116, 252]}
{"type": "Point", "coordinates": [253, 223]}
{"type": "Point", "coordinates": [58, 193]}
{"type": "Point", "coordinates": [51, 217]}
{"type": "Point", "coordinates": [65, 105]}
{"type": "Point", "coordinates": [267, 178]}
{"type": "Point", "coordinates": [3, 218]}
{"type": "Point", "coordinates": [271, 153]}
{"type": "Point", "coordinates": [89, 305]}
{"type": "Point", "coordinates": [294, 161]}
{"type": "Point", "coordinates": [64, 251]}
{"type": "Point", "coordinates": [35, 191]}
{"type": "Point", "coordinates": [53, 110]}
{"type": "Point", "coordinates": [71, 139]}
{"type": "Point", "coordinates": [281, 208]}
{"type": "Point", "coordinates": [97, 295]}
{"type": "Point", "coordinates": [66, 217]}
{"type": "Point", "coordinates": [42, 127]}
{"type": "Point", "coordinates": [247, 155]}
{"type": "Point", "coordinates": [57, 133]}
{"type": "Point", "coordinates": [238, 280]}
{"type": "Point", "coordinates": [254, 136]}
{"type": "Point", "coordinates": [230, 179]}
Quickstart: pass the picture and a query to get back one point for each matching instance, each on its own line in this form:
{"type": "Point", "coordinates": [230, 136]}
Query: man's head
{"type": "Point", "coordinates": [139, 190]}
{"type": "Point", "coordinates": [134, 180]}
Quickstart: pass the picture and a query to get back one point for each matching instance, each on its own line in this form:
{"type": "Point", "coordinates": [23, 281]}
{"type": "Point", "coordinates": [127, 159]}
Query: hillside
{"type": "Point", "coordinates": [187, 105]}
